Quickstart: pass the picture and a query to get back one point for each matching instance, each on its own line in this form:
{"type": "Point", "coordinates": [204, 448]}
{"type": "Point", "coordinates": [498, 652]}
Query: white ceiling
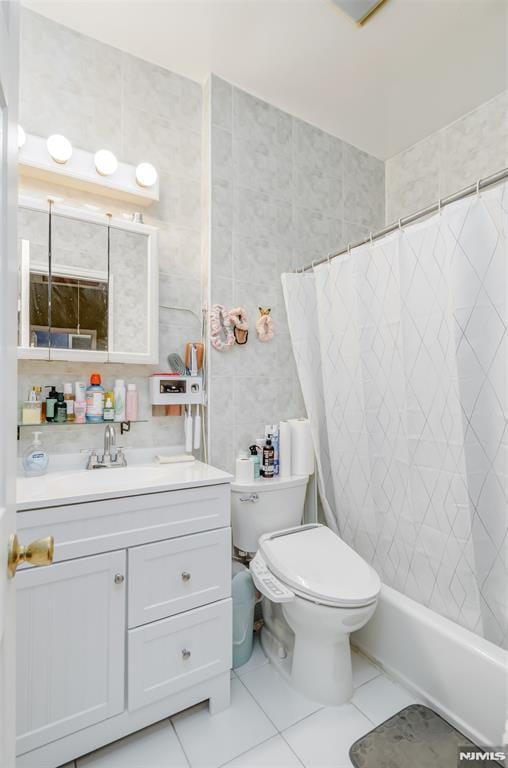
{"type": "Point", "coordinates": [416, 65]}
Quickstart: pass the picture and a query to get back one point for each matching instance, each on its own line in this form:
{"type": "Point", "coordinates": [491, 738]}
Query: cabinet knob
{"type": "Point", "coordinates": [186, 654]}
{"type": "Point", "coordinates": [119, 578]}
{"type": "Point", "coordinates": [186, 576]}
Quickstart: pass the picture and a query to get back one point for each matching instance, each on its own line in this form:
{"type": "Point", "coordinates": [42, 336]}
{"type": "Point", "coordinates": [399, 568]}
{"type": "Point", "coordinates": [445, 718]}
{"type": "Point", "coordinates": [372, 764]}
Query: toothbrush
{"type": "Point", "coordinates": [188, 429]}
{"type": "Point", "coordinates": [197, 429]}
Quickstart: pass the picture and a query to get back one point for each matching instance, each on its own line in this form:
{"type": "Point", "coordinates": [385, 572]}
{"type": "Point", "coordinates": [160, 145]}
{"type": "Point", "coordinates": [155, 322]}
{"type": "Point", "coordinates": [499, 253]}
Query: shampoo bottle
{"type": "Point", "coordinates": [95, 399]}
{"type": "Point", "coordinates": [50, 404]}
{"type": "Point", "coordinates": [35, 458]}
{"type": "Point", "coordinates": [60, 409]}
{"type": "Point", "coordinates": [268, 454]}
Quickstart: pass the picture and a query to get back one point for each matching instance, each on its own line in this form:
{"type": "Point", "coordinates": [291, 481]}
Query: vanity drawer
{"type": "Point", "coordinates": [173, 576]}
{"type": "Point", "coordinates": [173, 654]}
{"type": "Point", "coordinates": [101, 526]}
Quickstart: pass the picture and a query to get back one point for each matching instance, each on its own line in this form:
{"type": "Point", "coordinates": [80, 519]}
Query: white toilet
{"type": "Point", "coordinates": [316, 589]}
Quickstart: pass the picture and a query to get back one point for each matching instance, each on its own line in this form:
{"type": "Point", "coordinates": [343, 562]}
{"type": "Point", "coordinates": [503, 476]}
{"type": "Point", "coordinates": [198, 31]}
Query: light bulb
{"type": "Point", "coordinates": [146, 175]}
{"type": "Point", "coordinates": [21, 136]}
{"type": "Point", "coordinates": [105, 162]}
{"type": "Point", "coordinates": [59, 148]}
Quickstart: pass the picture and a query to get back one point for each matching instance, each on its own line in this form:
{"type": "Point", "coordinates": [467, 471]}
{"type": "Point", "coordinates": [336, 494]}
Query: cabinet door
{"type": "Point", "coordinates": [70, 647]}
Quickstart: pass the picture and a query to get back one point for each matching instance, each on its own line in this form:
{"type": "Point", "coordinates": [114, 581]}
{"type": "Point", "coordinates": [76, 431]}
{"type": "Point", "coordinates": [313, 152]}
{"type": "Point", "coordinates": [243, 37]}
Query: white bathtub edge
{"type": "Point", "coordinates": [459, 674]}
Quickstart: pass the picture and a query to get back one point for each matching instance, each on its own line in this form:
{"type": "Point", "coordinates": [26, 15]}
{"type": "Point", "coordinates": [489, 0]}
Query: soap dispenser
{"type": "Point", "coordinates": [35, 458]}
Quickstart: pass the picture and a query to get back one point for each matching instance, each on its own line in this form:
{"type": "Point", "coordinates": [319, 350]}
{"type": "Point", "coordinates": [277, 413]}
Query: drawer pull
{"type": "Point", "coordinates": [186, 576]}
{"type": "Point", "coordinates": [253, 497]}
{"type": "Point", "coordinates": [186, 654]}
{"type": "Point", "coordinates": [119, 578]}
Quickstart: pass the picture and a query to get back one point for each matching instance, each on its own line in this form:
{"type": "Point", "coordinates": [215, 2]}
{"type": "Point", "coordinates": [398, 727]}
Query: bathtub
{"type": "Point", "coordinates": [460, 675]}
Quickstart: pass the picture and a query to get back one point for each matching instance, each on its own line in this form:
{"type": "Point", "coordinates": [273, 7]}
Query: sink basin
{"type": "Point", "coordinates": [104, 479]}
{"type": "Point", "coordinates": [74, 486]}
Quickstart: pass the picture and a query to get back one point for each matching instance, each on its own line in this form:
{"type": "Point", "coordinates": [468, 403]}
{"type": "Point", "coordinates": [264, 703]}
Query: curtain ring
{"type": "Point", "coordinates": [439, 207]}
{"type": "Point", "coordinates": [478, 187]}
{"type": "Point", "coordinates": [328, 259]}
{"type": "Point", "coordinates": [370, 238]}
{"type": "Point", "coordinates": [400, 224]}
{"type": "Point", "coordinates": [349, 249]}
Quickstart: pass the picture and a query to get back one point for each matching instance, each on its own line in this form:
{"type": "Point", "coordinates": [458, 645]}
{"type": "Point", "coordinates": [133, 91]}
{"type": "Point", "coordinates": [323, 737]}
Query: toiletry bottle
{"type": "Point", "coordinates": [60, 409]}
{"type": "Point", "coordinates": [254, 457]}
{"type": "Point", "coordinates": [94, 399]}
{"type": "Point", "coordinates": [272, 431]}
{"type": "Point", "coordinates": [119, 393]}
{"type": "Point", "coordinates": [50, 404]}
{"type": "Point", "coordinates": [268, 453]}
{"type": "Point", "coordinates": [69, 400]}
{"type": "Point", "coordinates": [131, 403]}
{"type": "Point", "coordinates": [109, 411]}
{"type": "Point", "coordinates": [39, 394]}
{"type": "Point", "coordinates": [80, 402]}
{"type": "Point", "coordinates": [35, 458]}
{"type": "Point", "coordinates": [31, 409]}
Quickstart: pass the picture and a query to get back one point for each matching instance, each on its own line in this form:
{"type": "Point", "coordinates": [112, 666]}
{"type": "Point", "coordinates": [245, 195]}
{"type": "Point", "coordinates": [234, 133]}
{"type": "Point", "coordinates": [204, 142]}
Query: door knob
{"type": "Point", "coordinates": [38, 552]}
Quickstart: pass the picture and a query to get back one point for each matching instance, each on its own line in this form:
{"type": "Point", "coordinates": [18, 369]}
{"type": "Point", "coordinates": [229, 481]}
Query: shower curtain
{"type": "Point", "coordinates": [401, 351]}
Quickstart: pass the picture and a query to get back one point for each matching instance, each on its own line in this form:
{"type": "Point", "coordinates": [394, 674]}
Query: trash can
{"type": "Point", "coordinates": [244, 599]}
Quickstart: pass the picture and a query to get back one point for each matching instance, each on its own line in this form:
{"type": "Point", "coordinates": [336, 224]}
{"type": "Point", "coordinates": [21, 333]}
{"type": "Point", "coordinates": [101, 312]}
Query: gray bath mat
{"type": "Point", "coordinates": [416, 737]}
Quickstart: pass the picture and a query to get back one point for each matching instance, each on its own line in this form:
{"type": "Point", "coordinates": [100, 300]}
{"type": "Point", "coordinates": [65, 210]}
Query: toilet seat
{"type": "Point", "coordinates": [315, 564]}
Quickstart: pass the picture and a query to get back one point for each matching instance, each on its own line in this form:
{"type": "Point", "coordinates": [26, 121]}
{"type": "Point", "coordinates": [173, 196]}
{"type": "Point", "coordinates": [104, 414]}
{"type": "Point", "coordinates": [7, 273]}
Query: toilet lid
{"type": "Point", "coordinates": [315, 562]}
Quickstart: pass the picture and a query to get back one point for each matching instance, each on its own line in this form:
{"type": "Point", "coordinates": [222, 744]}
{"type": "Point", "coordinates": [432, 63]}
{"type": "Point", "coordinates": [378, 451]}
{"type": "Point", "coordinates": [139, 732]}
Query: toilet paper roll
{"type": "Point", "coordinates": [302, 450]}
{"type": "Point", "coordinates": [244, 470]}
{"type": "Point", "coordinates": [284, 449]}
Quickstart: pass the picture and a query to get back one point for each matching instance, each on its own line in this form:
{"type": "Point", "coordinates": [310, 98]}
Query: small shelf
{"type": "Point", "coordinates": [125, 426]}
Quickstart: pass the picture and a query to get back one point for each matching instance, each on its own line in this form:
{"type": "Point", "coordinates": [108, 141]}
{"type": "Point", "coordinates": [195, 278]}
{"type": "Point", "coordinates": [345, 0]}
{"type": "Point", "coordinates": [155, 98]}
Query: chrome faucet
{"type": "Point", "coordinates": [112, 456]}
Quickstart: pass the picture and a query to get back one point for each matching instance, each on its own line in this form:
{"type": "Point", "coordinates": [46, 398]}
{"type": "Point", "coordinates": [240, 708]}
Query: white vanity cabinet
{"type": "Point", "coordinates": [130, 624]}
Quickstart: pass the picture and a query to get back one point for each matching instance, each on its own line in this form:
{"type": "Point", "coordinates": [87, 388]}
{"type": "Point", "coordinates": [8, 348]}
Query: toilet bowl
{"type": "Point", "coordinates": [318, 590]}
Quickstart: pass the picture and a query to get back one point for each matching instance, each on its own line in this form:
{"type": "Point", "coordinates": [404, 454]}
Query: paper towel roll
{"type": "Point", "coordinates": [284, 449]}
{"type": "Point", "coordinates": [244, 470]}
{"type": "Point", "coordinates": [302, 451]}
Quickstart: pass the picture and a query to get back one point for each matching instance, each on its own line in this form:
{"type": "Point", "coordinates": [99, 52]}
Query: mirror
{"type": "Point", "coordinates": [79, 285]}
{"type": "Point", "coordinates": [87, 287]}
{"type": "Point", "coordinates": [33, 287]}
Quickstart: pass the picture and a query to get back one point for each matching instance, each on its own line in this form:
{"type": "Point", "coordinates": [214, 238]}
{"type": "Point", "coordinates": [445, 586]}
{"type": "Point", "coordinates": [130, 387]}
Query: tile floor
{"type": "Point", "coordinates": [267, 726]}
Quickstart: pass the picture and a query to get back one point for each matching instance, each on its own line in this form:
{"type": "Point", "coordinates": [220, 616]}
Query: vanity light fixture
{"type": "Point", "coordinates": [105, 162]}
{"type": "Point", "coordinates": [146, 175]}
{"type": "Point", "coordinates": [59, 148]}
{"type": "Point", "coordinates": [21, 136]}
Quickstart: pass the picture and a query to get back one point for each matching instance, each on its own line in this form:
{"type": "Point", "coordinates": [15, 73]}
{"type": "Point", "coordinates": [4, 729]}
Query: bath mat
{"type": "Point", "coordinates": [416, 737]}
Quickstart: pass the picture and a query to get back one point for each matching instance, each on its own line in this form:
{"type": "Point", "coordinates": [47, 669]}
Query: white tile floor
{"type": "Point", "coordinates": [268, 725]}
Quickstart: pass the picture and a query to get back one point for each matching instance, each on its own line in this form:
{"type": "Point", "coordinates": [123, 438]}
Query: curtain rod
{"type": "Point", "coordinates": [488, 181]}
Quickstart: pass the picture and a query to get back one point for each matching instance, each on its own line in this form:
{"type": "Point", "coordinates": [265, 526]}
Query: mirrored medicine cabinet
{"type": "Point", "coordinates": [87, 288]}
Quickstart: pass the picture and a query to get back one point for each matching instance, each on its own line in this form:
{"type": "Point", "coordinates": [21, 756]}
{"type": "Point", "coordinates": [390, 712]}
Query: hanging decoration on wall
{"type": "Point", "coordinates": [241, 327]}
{"type": "Point", "coordinates": [264, 324]}
{"type": "Point", "coordinates": [222, 335]}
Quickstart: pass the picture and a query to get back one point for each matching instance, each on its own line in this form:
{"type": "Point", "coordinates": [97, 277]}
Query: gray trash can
{"type": "Point", "coordinates": [244, 600]}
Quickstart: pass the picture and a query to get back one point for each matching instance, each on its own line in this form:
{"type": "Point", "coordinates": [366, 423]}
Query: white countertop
{"type": "Point", "coordinates": [69, 483]}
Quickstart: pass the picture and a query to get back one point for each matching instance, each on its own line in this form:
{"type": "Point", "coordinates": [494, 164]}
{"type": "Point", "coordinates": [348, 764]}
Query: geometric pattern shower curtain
{"type": "Point", "coordinates": [401, 351]}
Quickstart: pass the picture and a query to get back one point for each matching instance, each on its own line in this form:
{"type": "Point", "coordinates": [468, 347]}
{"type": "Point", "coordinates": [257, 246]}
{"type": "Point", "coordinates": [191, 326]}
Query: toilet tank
{"type": "Point", "coordinates": [264, 506]}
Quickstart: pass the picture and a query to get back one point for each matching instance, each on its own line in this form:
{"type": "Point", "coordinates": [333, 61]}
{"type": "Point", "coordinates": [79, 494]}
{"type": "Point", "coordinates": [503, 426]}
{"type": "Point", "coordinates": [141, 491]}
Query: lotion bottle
{"type": "Point", "coordinates": [119, 397]}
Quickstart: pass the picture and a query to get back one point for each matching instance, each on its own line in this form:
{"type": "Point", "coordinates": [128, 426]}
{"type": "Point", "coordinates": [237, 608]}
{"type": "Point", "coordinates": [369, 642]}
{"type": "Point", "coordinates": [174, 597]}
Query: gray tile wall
{"type": "Point", "coordinates": [283, 193]}
{"type": "Point", "coordinates": [472, 147]}
{"type": "Point", "coordinates": [98, 96]}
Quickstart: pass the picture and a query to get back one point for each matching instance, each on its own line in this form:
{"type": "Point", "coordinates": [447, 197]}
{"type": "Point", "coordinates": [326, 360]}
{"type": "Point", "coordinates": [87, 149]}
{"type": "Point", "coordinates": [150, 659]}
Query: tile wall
{"type": "Point", "coordinates": [99, 96]}
{"type": "Point", "coordinates": [282, 193]}
{"type": "Point", "coordinates": [472, 147]}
